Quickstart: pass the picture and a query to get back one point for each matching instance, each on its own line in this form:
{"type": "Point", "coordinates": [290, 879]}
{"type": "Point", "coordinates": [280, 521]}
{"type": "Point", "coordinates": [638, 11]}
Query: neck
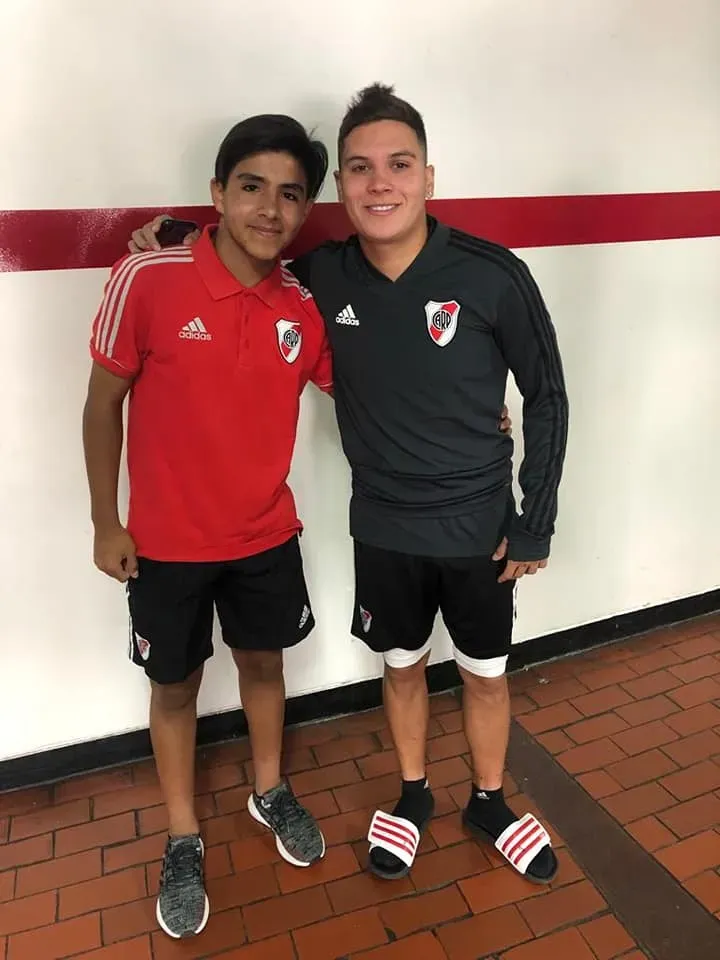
{"type": "Point", "coordinates": [246, 269]}
{"type": "Point", "coordinates": [393, 257]}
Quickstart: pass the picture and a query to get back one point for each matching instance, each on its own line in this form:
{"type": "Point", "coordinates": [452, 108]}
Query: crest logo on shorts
{"type": "Point", "coordinates": [143, 646]}
{"type": "Point", "coordinates": [442, 320]}
{"type": "Point", "coordinates": [365, 619]}
{"type": "Point", "coordinates": [289, 339]}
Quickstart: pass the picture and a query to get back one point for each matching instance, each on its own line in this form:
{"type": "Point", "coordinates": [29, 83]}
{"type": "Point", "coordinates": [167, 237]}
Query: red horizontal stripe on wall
{"type": "Point", "coordinates": [71, 239]}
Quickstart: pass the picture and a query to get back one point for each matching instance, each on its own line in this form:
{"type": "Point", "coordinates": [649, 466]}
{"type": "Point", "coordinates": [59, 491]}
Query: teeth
{"type": "Point", "coordinates": [383, 208]}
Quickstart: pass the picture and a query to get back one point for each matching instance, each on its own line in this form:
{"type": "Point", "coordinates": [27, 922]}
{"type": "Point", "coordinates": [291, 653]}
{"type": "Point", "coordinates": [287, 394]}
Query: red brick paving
{"type": "Point", "coordinates": [638, 725]}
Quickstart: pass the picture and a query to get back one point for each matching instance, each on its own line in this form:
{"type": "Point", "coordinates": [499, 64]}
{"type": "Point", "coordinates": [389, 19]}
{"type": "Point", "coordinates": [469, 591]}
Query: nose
{"type": "Point", "coordinates": [379, 182]}
{"type": "Point", "coordinates": [270, 207]}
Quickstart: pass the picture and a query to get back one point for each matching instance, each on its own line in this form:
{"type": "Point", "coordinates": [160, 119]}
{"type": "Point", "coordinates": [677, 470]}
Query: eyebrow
{"type": "Point", "coordinates": [256, 178]}
{"type": "Point", "coordinates": [393, 156]}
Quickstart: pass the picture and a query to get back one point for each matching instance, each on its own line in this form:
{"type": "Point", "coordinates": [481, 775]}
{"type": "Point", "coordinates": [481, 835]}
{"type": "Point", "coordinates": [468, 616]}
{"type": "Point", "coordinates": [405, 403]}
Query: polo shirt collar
{"type": "Point", "coordinates": [218, 279]}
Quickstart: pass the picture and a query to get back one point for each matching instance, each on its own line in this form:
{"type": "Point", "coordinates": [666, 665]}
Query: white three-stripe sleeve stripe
{"type": "Point", "coordinates": [116, 294]}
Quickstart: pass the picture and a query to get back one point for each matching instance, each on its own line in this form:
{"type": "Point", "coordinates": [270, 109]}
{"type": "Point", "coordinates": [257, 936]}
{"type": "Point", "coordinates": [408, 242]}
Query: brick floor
{"type": "Point", "coordinates": [637, 724]}
{"type": "Point", "coordinates": [665, 789]}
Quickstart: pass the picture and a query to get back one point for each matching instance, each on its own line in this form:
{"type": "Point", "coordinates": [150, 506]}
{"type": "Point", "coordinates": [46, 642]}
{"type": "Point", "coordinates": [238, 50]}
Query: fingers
{"type": "Point", "coordinates": [190, 238]}
{"type": "Point", "coordinates": [121, 567]}
{"type": "Point", "coordinates": [515, 571]}
{"type": "Point", "coordinates": [501, 550]}
{"type": "Point", "coordinates": [131, 565]}
{"type": "Point", "coordinates": [146, 237]}
{"type": "Point", "coordinates": [113, 568]}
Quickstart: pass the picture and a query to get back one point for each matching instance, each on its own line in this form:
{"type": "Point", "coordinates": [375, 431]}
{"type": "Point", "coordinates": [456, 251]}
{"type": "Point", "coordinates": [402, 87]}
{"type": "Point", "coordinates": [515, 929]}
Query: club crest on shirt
{"type": "Point", "coordinates": [442, 318]}
{"type": "Point", "coordinates": [289, 337]}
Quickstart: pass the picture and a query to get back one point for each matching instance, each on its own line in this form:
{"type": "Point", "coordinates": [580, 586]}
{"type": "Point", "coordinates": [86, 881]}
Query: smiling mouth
{"type": "Point", "coordinates": [266, 231]}
{"type": "Point", "coordinates": [382, 209]}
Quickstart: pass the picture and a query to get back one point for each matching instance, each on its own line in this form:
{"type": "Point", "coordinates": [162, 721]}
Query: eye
{"type": "Point", "coordinates": [250, 187]}
{"type": "Point", "coordinates": [358, 168]}
{"type": "Point", "coordinates": [401, 165]}
{"type": "Point", "coordinates": [292, 196]}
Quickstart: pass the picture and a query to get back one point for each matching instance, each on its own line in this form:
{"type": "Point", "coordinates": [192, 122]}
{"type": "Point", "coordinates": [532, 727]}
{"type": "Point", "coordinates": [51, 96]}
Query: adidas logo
{"type": "Point", "coordinates": [347, 316]}
{"type": "Point", "coordinates": [195, 330]}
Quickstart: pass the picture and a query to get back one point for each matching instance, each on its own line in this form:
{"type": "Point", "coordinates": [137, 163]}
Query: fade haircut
{"type": "Point", "coordinates": [378, 102]}
{"type": "Point", "coordinates": [273, 133]}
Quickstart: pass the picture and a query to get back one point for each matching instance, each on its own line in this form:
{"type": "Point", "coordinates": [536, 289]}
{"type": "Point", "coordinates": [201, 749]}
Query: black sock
{"type": "Point", "coordinates": [487, 808]}
{"type": "Point", "coordinates": [416, 801]}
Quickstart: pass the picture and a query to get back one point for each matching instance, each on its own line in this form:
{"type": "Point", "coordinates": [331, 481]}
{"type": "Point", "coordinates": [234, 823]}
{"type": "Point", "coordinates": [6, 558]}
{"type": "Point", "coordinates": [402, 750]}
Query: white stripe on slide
{"type": "Point", "coordinates": [514, 832]}
{"type": "Point", "coordinates": [401, 837]}
{"type": "Point", "coordinates": [528, 841]}
{"type": "Point", "coordinates": [406, 830]}
{"type": "Point", "coordinates": [379, 836]}
{"type": "Point", "coordinates": [520, 837]}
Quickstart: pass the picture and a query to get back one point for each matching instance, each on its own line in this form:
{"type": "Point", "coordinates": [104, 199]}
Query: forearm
{"type": "Point", "coordinates": [102, 442]}
{"type": "Point", "coordinates": [545, 427]}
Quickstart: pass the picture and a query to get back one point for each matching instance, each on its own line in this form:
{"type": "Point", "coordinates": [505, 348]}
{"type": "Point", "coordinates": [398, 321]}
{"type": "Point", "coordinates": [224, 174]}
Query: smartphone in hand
{"type": "Point", "coordinates": [173, 232]}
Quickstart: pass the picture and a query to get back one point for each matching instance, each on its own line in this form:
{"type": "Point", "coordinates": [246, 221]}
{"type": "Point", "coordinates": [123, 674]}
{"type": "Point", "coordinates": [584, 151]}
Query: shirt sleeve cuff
{"type": "Point", "coordinates": [524, 548]}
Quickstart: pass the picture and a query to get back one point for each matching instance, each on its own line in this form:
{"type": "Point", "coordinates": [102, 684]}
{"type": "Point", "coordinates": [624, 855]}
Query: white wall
{"type": "Point", "coordinates": [125, 104]}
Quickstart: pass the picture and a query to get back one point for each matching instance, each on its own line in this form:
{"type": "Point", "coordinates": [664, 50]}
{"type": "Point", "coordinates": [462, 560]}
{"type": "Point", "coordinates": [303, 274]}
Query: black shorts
{"type": "Point", "coordinates": [398, 596]}
{"type": "Point", "coordinates": [262, 604]}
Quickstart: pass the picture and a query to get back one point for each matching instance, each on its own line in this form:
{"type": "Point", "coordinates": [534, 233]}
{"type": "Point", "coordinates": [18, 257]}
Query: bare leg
{"type": "Point", "coordinates": [407, 709]}
{"type": "Point", "coordinates": [486, 708]}
{"type": "Point", "coordinates": [262, 691]}
{"type": "Point", "coordinates": [173, 723]}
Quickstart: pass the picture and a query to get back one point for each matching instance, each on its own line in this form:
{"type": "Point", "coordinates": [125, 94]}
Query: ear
{"type": "Point", "coordinates": [338, 185]}
{"type": "Point", "coordinates": [308, 207]}
{"type": "Point", "coordinates": [218, 196]}
{"type": "Point", "coordinates": [429, 181]}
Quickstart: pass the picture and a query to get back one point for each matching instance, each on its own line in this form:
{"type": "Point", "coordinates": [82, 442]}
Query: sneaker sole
{"type": "Point", "coordinates": [179, 936]}
{"type": "Point", "coordinates": [288, 857]}
{"type": "Point", "coordinates": [193, 933]}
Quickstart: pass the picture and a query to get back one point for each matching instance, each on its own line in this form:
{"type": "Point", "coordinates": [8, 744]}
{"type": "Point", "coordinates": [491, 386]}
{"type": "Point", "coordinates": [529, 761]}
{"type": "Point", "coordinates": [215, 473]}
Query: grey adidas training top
{"type": "Point", "coordinates": [420, 371]}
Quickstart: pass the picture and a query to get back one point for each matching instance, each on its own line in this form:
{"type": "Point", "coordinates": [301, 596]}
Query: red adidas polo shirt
{"type": "Point", "coordinates": [218, 371]}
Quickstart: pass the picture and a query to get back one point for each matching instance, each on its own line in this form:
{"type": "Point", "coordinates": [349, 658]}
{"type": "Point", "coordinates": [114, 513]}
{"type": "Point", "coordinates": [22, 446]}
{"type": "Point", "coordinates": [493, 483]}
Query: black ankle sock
{"type": "Point", "coordinates": [416, 801]}
{"type": "Point", "coordinates": [487, 808]}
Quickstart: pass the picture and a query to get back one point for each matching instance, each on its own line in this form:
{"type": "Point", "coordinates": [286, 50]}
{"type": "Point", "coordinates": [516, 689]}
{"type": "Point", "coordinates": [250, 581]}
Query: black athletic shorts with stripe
{"type": "Point", "coordinates": [398, 597]}
{"type": "Point", "coordinates": [262, 604]}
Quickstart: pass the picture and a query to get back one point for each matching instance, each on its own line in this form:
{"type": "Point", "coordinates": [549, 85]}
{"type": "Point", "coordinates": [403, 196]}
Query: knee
{"type": "Point", "coordinates": [492, 691]}
{"type": "Point", "coordinates": [406, 679]}
{"type": "Point", "coordinates": [259, 666]}
{"type": "Point", "coordinates": [172, 697]}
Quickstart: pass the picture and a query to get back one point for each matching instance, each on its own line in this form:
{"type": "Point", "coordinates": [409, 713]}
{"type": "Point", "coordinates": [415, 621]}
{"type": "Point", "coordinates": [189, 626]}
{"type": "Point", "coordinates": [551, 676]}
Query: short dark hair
{"type": "Point", "coordinates": [378, 102]}
{"type": "Point", "coordinates": [273, 133]}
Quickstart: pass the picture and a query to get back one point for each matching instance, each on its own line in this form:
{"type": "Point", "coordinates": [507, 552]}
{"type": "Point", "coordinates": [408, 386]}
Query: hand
{"type": "Point", "coordinates": [115, 555]}
{"type": "Point", "coordinates": [146, 237]}
{"type": "Point", "coordinates": [505, 421]}
{"type": "Point", "coordinates": [513, 569]}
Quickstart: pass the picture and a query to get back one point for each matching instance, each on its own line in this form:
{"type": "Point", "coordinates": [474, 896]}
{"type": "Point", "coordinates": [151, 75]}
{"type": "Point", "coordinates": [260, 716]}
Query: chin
{"type": "Point", "coordinates": [384, 228]}
{"type": "Point", "coordinates": [263, 251]}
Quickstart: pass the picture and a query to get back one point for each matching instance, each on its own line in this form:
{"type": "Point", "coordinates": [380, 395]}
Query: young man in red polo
{"type": "Point", "coordinates": [214, 347]}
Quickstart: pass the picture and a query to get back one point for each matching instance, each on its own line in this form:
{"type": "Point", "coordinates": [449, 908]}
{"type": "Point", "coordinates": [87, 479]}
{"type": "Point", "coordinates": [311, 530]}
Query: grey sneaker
{"type": "Point", "coordinates": [182, 906]}
{"type": "Point", "coordinates": [297, 835]}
